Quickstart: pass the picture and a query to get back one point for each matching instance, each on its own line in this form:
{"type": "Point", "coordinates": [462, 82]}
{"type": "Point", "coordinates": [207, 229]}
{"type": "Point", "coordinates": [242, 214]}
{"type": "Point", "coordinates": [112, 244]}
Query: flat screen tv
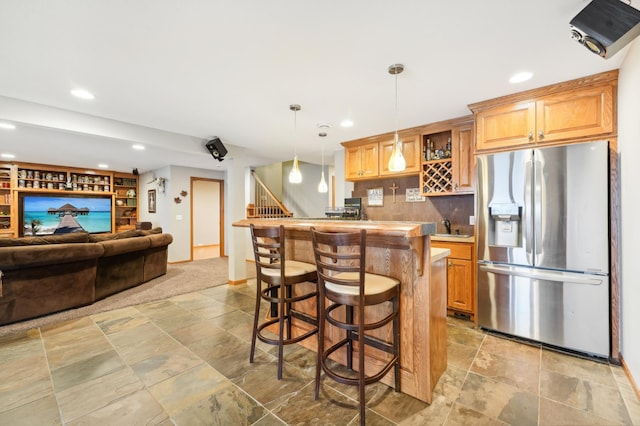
{"type": "Point", "coordinates": [62, 214]}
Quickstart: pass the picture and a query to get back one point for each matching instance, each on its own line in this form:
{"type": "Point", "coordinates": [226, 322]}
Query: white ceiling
{"type": "Point", "coordinates": [205, 68]}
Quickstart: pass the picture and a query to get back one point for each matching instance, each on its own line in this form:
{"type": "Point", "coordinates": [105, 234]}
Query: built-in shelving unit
{"type": "Point", "coordinates": [5, 200]}
{"type": "Point", "coordinates": [26, 178]}
{"type": "Point", "coordinates": [126, 201]}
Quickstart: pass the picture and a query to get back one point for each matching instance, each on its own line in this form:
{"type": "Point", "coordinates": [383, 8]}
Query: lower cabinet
{"type": "Point", "coordinates": [461, 281]}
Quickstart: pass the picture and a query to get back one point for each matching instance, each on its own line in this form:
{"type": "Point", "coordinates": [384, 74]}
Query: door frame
{"type": "Point", "coordinates": [221, 207]}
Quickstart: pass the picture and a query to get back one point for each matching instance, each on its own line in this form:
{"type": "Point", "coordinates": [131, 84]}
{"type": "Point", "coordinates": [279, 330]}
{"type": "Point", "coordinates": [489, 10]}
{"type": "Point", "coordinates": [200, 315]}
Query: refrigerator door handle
{"type": "Point", "coordinates": [528, 223]}
{"type": "Point", "coordinates": [542, 275]}
{"type": "Point", "coordinates": [537, 201]}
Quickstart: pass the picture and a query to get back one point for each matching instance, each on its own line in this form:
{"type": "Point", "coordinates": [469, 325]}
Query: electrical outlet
{"type": "Point", "coordinates": [472, 220]}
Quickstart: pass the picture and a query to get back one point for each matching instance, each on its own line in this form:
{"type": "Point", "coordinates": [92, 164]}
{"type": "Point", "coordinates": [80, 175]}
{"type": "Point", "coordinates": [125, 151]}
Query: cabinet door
{"type": "Point", "coordinates": [463, 160]}
{"type": "Point", "coordinates": [369, 161]}
{"type": "Point", "coordinates": [506, 126]}
{"type": "Point", "coordinates": [352, 163]}
{"type": "Point", "coordinates": [575, 114]}
{"type": "Point", "coordinates": [459, 285]}
{"type": "Point", "coordinates": [411, 151]}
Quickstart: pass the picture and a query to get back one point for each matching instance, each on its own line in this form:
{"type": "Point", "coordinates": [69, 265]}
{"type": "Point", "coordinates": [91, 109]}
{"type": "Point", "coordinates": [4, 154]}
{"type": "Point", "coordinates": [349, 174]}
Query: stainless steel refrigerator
{"type": "Point", "coordinates": [543, 245]}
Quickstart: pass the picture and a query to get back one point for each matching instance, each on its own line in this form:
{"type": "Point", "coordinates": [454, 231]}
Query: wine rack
{"type": "Point", "coordinates": [437, 177]}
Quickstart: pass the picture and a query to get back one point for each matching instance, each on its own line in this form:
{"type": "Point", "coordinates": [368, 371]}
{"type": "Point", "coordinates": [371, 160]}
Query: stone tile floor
{"type": "Point", "coordinates": [184, 361]}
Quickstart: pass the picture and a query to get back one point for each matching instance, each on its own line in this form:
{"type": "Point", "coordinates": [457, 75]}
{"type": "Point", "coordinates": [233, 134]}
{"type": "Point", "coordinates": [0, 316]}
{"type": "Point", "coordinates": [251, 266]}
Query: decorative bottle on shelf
{"type": "Point", "coordinates": [429, 147]}
{"type": "Point", "coordinates": [447, 151]}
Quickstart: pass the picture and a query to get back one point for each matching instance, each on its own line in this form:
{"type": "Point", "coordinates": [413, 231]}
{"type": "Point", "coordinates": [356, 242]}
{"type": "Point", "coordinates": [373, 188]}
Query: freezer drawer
{"type": "Point", "coordinates": [564, 309]}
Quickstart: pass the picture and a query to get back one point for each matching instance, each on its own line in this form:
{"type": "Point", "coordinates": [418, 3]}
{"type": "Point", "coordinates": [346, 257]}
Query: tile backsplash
{"type": "Point", "coordinates": [456, 208]}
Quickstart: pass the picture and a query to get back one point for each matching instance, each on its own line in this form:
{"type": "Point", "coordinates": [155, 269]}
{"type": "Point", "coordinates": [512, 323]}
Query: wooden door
{"type": "Point", "coordinates": [459, 285]}
{"type": "Point", "coordinates": [463, 160]}
{"type": "Point", "coordinates": [352, 163]}
{"type": "Point", "coordinates": [506, 126]}
{"type": "Point", "coordinates": [411, 151]}
{"type": "Point", "coordinates": [369, 161]}
{"type": "Point", "coordinates": [575, 114]}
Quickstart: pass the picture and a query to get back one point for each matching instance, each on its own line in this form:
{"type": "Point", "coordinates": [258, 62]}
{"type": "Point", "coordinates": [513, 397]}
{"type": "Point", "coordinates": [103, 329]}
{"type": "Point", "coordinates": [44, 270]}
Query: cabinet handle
{"type": "Point", "coordinates": [541, 134]}
{"type": "Point", "coordinates": [450, 264]}
{"type": "Point", "coordinates": [530, 136]}
{"type": "Point", "coordinates": [455, 186]}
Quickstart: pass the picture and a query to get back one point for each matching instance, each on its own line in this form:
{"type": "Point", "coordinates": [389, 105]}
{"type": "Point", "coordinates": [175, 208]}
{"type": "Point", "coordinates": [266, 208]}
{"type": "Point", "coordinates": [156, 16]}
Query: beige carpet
{"type": "Point", "coordinates": [181, 278]}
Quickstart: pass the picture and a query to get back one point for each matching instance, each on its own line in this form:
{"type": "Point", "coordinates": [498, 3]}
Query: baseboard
{"type": "Point", "coordinates": [237, 282]}
{"type": "Point", "coordinates": [634, 385]}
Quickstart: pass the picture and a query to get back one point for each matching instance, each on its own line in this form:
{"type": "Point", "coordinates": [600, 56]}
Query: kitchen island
{"type": "Point", "coordinates": [400, 250]}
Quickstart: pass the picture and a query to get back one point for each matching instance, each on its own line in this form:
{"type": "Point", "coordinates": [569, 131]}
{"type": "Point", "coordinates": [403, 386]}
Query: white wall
{"type": "Point", "coordinates": [629, 147]}
{"type": "Point", "coordinates": [303, 199]}
{"type": "Point", "coordinates": [174, 218]}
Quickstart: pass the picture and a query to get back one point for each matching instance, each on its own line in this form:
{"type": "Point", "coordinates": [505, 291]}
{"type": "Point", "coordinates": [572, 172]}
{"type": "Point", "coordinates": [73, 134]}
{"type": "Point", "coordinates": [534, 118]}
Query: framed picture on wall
{"type": "Point", "coordinates": [375, 197]}
{"type": "Point", "coordinates": [152, 201]}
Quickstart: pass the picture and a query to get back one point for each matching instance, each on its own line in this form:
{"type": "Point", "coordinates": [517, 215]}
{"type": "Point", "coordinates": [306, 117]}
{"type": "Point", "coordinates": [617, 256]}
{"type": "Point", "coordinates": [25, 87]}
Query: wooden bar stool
{"type": "Point", "coordinates": [342, 280]}
{"type": "Point", "coordinates": [280, 276]}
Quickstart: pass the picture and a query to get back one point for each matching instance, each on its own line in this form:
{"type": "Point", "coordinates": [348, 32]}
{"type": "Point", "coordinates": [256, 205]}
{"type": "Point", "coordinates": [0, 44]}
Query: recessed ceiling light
{"type": "Point", "coordinates": [103, 166]}
{"type": "Point", "coordinates": [520, 77]}
{"type": "Point", "coordinates": [82, 94]}
{"type": "Point", "coordinates": [7, 155]}
{"type": "Point", "coordinates": [138, 147]}
{"type": "Point", "coordinates": [7, 126]}
{"type": "Point", "coordinates": [346, 123]}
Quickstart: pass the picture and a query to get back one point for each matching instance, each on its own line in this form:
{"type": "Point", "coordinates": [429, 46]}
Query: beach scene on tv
{"type": "Point", "coordinates": [64, 215]}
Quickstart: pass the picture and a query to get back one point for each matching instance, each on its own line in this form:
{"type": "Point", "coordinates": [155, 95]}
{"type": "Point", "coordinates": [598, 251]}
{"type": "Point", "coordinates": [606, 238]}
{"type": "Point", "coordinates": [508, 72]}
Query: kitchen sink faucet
{"type": "Point", "coordinates": [447, 225]}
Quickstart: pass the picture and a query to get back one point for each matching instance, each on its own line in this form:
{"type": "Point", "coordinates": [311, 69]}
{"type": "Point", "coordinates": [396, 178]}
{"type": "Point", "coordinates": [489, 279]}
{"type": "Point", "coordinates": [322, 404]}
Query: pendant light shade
{"type": "Point", "coordinates": [322, 186]}
{"type": "Point", "coordinates": [397, 162]}
{"type": "Point", "coordinates": [294, 175]}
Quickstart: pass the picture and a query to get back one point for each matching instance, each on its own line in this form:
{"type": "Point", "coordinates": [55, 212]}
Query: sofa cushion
{"type": "Point", "coordinates": [96, 238]}
{"type": "Point", "coordinates": [74, 237]}
{"type": "Point", "coordinates": [153, 231]}
{"type": "Point", "coordinates": [41, 255]}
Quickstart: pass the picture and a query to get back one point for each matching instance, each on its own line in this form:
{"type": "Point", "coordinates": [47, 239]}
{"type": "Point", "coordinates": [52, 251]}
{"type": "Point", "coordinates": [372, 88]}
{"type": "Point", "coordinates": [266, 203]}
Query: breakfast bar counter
{"type": "Point", "coordinates": [400, 250]}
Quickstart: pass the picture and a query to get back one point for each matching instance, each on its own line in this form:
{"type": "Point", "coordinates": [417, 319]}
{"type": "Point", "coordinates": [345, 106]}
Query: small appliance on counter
{"type": "Point", "coordinates": [352, 210]}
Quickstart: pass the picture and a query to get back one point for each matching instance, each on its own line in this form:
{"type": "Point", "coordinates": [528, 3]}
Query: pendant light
{"type": "Point", "coordinates": [397, 162]}
{"type": "Point", "coordinates": [294, 175]}
{"type": "Point", "coordinates": [322, 186]}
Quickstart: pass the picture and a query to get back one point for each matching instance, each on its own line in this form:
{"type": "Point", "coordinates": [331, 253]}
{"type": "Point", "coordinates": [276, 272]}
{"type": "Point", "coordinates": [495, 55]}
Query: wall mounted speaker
{"type": "Point", "coordinates": [216, 148]}
{"type": "Point", "coordinates": [605, 26]}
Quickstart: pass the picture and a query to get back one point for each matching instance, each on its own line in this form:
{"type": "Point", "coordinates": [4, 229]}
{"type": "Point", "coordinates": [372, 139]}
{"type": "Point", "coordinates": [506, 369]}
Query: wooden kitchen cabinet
{"type": "Point", "coordinates": [411, 150]}
{"type": "Point", "coordinates": [454, 173]}
{"type": "Point", "coordinates": [361, 161]}
{"type": "Point", "coordinates": [369, 158]}
{"type": "Point", "coordinates": [461, 286]}
{"type": "Point", "coordinates": [573, 111]}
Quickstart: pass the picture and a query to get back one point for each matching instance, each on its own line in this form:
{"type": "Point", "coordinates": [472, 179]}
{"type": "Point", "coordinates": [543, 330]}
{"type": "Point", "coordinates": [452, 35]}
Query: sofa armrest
{"type": "Point", "coordinates": [159, 240]}
{"type": "Point", "coordinates": [49, 254]}
{"type": "Point", "coordinates": [125, 245]}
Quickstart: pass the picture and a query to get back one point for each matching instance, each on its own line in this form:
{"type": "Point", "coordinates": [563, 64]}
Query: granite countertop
{"type": "Point", "coordinates": [390, 228]}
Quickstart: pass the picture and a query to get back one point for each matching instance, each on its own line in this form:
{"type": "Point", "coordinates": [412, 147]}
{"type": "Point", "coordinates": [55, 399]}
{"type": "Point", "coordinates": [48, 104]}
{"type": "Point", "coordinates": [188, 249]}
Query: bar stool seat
{"type": "Point", "coordinates": [280, 275]}
{"type": "Point", "coordinates": [343, 282]}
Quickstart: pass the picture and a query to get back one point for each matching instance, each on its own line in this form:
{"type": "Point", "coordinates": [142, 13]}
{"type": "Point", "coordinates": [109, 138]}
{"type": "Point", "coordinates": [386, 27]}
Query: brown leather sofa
{"type": "Point", "coordinates": [42, 275]}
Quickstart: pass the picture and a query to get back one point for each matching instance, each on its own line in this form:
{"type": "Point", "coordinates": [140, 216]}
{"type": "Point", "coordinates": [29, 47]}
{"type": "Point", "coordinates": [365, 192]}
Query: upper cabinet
{"type": "Point", "coordinates": [361, 161]}
{"type": "Point", "coordinates": [576, 110]}
{"type": "Point", "coordinates": [369, 158]}
{"type": "Point", "coordinates": [410, 147]}
{"type": "Point", "coordinates": [448, 166]}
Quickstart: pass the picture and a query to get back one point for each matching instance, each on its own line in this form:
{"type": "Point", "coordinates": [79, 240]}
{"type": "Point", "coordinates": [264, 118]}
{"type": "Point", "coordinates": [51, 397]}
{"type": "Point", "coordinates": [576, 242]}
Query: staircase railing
{"type": "Point", "coordinates": [266, 204]}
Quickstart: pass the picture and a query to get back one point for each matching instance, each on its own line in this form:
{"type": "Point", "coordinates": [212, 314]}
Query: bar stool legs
{"type": "Point", "coordinates": [280, 276]}
{"type": "Point", "coordinates": [342, 280]}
